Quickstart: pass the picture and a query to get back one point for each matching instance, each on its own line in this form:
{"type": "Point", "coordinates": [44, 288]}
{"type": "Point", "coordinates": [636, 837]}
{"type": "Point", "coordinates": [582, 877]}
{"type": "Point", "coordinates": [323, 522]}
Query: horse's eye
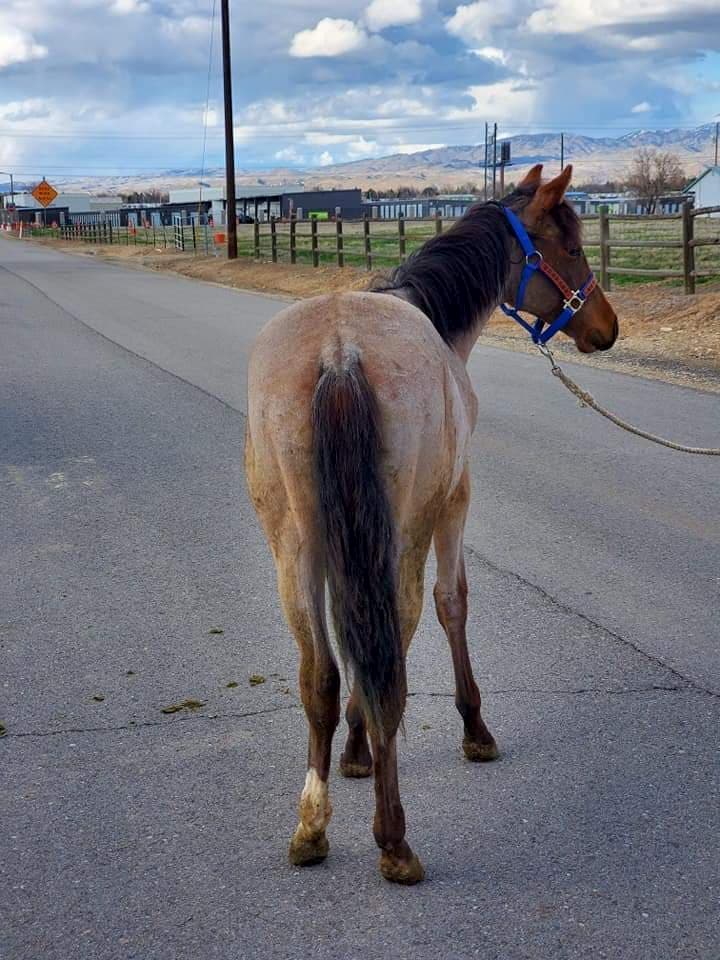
{"type": "Point", "coordinates": [576, 252]}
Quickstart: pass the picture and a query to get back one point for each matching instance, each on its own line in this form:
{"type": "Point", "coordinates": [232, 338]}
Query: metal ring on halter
{"type": "Point", "coordinates": [574, 302]}
{"type": "Point", "coordinates": [534, 263]}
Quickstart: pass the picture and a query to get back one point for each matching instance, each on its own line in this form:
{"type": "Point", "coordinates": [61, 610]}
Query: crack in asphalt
{"type": "Point", "coordinates": [139, 724]}
{"type": "Point", "coordinates": [432, 694]}
{"type": "Point", "coordinates": [566, 608]}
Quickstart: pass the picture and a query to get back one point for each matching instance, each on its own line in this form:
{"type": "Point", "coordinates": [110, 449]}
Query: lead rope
{"type": "Point", "coordinates": [586, 400]}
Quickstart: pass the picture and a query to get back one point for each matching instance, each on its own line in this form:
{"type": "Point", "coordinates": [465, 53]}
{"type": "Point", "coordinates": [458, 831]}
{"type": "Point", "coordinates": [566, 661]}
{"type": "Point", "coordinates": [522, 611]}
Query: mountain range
{"type": "Point", "coordinates": [594, 159]}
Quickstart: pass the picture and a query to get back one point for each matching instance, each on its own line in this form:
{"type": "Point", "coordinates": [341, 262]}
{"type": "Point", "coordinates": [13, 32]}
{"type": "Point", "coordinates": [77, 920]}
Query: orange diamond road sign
{"type": "Point", "coordinates": [44, 193]}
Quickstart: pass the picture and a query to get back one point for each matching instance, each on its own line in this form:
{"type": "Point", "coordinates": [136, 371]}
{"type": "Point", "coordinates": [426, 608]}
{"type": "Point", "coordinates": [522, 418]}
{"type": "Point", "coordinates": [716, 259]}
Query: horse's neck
{"type": "Point", "coordinates": [463, 344]}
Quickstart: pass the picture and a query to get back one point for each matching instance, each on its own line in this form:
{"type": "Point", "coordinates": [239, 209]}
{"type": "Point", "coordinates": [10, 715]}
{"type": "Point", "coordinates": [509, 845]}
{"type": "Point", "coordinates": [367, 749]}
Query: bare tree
{"type": "Point", "coordinates": [654, 173]}
{"type": "Point", "coordinates": [146, 196]}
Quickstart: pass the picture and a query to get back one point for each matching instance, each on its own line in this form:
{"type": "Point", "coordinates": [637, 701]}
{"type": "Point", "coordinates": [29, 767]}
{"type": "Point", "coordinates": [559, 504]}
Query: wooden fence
{"type": "Point", "coordinates": [686, 244]}
{"type": "Point", "coordinates": [622, 248]}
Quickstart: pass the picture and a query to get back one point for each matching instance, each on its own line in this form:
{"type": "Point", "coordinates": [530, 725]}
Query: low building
{"type": "Point", "coordinates": [447, 206]}
{"type": "Point", "coordinates": [63, 205]}
{"type": "Point", "coordinates": [261, 202]}
{"type": "Point", "coordinates": [705, 189]}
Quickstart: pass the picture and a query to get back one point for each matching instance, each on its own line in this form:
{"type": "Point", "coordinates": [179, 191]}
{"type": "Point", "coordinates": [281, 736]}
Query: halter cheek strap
{"type": "Point", "coordinates": [573, 300]}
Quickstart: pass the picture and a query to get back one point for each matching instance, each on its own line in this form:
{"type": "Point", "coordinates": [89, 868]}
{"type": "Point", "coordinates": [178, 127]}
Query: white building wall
{"type": "Point", "coordinates": [707, 189]}
{"type": "Point", "coordinates": [75, 202]}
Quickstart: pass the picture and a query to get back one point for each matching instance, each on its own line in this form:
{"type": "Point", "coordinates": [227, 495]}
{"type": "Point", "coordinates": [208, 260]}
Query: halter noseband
{"type": "Point", "coordinates": [573, 300]}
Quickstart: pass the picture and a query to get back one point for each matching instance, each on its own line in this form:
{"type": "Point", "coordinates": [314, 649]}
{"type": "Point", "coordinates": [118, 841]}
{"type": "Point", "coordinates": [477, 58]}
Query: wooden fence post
{"type": "Point", "coordinates": [401, 237]}
{"type": "Point", "coordinates": [688, 235]}
{"type": "Point", "coordinates": [314, 241]}
{"type": "Point", "coordinates": [438, 224]}
{"type": "Point", "coordinates": [367, 242]}
{"type": "Point", "coordinates": [293, 243]}
{"type": "Point", "coordinates": [339, 240]}
{"type": "Point", "coordinates": [604, 248]}
{"type": "Point", "coordinates": [273, 239]}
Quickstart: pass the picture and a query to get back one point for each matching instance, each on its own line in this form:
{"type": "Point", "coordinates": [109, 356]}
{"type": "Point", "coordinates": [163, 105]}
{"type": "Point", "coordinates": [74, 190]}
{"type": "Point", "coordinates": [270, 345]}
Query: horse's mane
{"type": "Point", "coordinates": [460, 275]}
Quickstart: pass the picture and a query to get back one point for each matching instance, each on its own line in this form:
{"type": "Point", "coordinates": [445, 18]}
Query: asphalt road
{"type": "Point", "coordinates": [127, 536]}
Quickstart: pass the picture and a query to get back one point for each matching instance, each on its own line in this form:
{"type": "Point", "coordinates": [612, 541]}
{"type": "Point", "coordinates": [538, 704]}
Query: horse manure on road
{"type": "Point", "coordinates": [98, 698]}
{"type": "Point", "coordinates": [256, 679]}
{"type": "Point", "coordinates": [184, 705]}
{"type": "Point", "coordinates": [3, 730]}
{"type": "Point", "coordinates": [215, 630]}
{"type": "Point", "coordinates": [232, 684]}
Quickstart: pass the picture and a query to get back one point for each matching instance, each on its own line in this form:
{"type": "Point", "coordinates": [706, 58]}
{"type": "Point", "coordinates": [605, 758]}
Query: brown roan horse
{"type": "Point", "coordinates": [359, 421]}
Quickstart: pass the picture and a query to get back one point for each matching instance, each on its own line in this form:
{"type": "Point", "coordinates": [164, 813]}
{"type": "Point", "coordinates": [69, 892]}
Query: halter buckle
{"type": "Point", "coordinates": [530, 260]}
{"type": "Point", "coordinates": [575, 302]}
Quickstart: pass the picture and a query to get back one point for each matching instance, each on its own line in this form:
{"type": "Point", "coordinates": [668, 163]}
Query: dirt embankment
{"type": "Point", "coordinates": [663, 333]}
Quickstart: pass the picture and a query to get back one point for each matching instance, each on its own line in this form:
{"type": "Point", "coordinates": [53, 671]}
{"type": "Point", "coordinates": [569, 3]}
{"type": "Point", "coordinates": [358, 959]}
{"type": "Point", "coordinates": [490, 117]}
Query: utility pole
{"type": "Point", "coordinates": [562, 151]}
{"type": "Point", "coordinates": [494, 142]}
{"type": "Point", "coordinates": [485, 165]}
{"type": "Point", "coordinates": [229, 135]}
{"type": "Point", "coordinates": [717, 130]}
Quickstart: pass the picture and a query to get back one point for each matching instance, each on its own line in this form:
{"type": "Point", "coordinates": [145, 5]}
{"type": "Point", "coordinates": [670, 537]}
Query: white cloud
{"type": "Point", "coordinates": [325, 159]}
{"type": "Point", "coordinates": [360, 148]}
{"type": "Point", "coordinates": [289, 155]}
{"type": "Point", "coordinates": [643, 107]}
{"type": "Point", "coordinates": [507, 99]}
{"type": "Point", "coordinates": [475, 21]}
{"type": "Point", "coordinates": [18, 46]}
{"type": "Point", "coordinates": [574, 16]}
{"type": "Point", "coordinates": [124, 7]}
{"type": "Point", "coordinates": [392, 13]}
{"type": "Point", "coordinates": [403, 107]}
{"type": "Point", "coordinates": [494, 54]}
{"type": "Point", "coordinates": [329, 38]}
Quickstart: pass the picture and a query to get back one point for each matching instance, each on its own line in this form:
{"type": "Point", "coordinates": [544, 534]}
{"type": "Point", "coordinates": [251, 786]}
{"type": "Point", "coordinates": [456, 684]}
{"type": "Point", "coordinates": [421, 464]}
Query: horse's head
{"type": "Point", "coordinates": [555, 231]}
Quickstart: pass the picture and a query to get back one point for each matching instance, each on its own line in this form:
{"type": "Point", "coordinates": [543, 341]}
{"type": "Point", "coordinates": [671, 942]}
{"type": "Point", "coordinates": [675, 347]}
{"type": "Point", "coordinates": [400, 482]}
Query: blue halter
{"type": "Point", "coordinates": [573, 300]}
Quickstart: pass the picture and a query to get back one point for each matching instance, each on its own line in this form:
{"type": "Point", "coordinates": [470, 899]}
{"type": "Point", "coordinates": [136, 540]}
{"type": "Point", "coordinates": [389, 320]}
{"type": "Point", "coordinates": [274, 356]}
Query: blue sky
{"type": "Point", "coordinates": [100, 86]}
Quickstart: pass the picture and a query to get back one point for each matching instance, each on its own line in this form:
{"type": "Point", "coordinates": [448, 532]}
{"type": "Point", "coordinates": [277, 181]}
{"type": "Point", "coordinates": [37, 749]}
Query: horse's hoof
{"type": "Point", "coordinates": [353, 770]}
{"type": "Point", "coordinates": [405, 871]}
{"type": "Point", "coordinates": [480, 752]}
{"type": "Point", "coordinates": [305, 852]}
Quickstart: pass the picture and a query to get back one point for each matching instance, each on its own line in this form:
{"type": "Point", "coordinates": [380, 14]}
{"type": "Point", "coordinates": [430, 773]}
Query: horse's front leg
{"type": "Point", "coordinates": [451, 605]}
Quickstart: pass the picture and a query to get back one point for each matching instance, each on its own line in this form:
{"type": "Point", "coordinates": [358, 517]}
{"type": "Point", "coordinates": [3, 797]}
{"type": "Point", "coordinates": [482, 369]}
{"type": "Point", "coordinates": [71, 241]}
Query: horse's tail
{"type": "Point", "coordinates": [360, 538]}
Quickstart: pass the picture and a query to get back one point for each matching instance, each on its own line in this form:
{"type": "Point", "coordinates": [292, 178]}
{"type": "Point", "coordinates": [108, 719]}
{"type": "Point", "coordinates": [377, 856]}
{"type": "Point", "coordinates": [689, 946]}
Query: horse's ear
{"type": "Point", "coordinates": [532, 177]}
{"type": "Point", "coordinates": [549, 195]}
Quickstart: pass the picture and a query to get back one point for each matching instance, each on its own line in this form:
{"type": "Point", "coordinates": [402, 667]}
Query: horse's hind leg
{"type": "Point", "coordinates": [301, 586]}
{"type": "Point", "coordinates": [451, 605]}
{"type": "Point", "coordinates": [356, 760]}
